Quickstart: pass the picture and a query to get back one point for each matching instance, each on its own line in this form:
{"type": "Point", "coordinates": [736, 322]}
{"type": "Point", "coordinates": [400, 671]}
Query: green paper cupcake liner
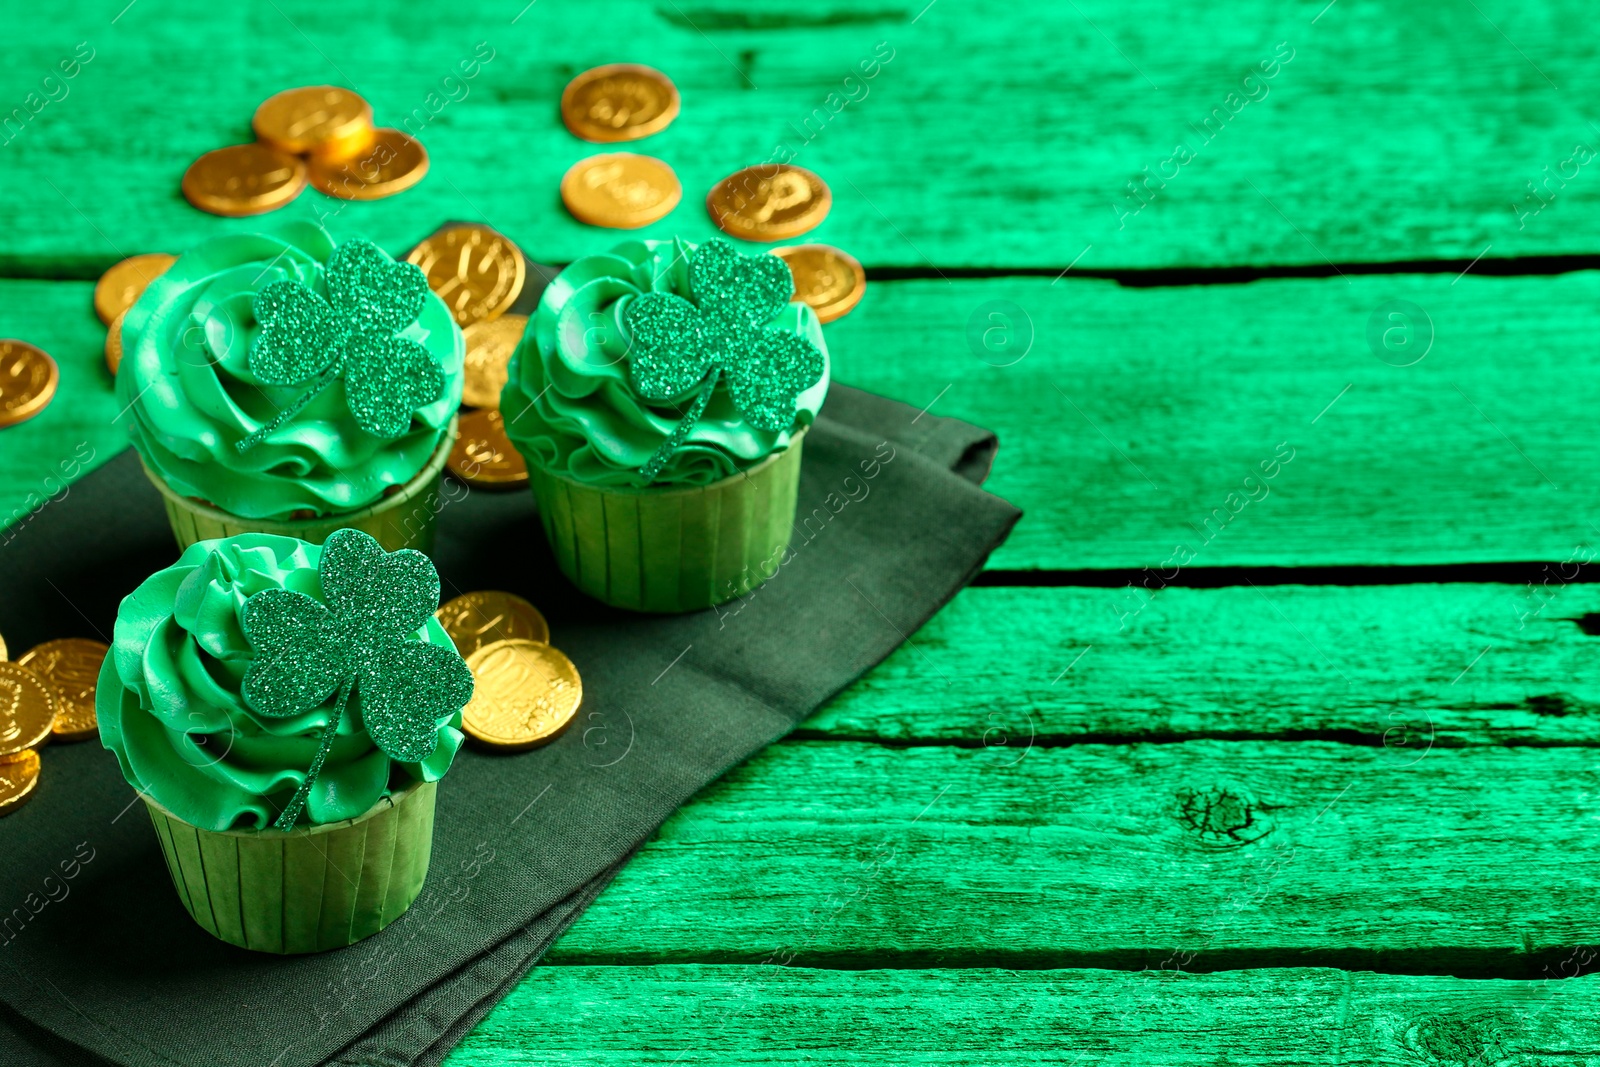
{"type": "Point", "coordinates": [401, 520]}
{"type": "Point", "coordinates": [309, 889]}
{"type": "Point", "coordinates": [672, 550]}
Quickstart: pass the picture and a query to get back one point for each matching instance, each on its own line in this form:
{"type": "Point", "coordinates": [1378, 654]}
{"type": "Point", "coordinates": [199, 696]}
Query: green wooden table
{"type": "Point", "coordinates": [1266, 738]}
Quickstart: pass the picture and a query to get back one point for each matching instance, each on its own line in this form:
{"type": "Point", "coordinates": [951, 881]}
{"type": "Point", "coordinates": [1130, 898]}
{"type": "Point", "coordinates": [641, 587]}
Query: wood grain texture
{"type": "Point", "coordinates": [1140, 428]}
{"type": "Point", "coordinates": [1216, 855]}
{"type": "Point", "coordinates": [1000, 137]}
{"type": "Point", "coordinates": [791, 1015]}
{"type": "Point", "coordinates": [1404, 668]}
{"type": "Point", "coordinates": [1142, 423]}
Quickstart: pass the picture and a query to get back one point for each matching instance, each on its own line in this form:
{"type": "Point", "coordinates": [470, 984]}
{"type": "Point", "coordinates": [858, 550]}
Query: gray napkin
{"type": "Point", "coordinates": [522, 842]}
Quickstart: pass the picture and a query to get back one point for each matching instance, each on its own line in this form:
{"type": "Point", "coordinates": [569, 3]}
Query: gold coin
{"type": "Point", "coordinates": [489, 348]}
{"type": "Point", "coordinates": [28, 380]}
{"type": "Point", "coordinates": [476, 619]}
{"type": "Point", "coordinates": [321, 120]}
{"type": "Point", "coordinates": [619, 102]}
{"type": "Point", "coordinates": [620, 190]}
{"type": "Point", "coordinates": [474, 270]}
{"type": "Point", "coordinates": [120, 286]}
{"type": "Point", "coordinates": [243, 179]}
{"type": "Point", "coordinates": [829, 280]}
{"type": "Point", "coordinates": [19, 776]}
{"type": "Point", "coordinates": [27, 709]}
{"type": "Point", "coordinates": [393, 163]}
{"type": "Point", "coordinates": [70, 667]}
{"type": "Point", "coordinates": [524, 693]}
{"type": "Point", "coordinates": [483, 456]}
{"type": "Point", "coordinates": [771, 202]}
{"type": "Point", "coordinates": [2, 648]}
{"type": "Point", "coordinates": [114, 343]}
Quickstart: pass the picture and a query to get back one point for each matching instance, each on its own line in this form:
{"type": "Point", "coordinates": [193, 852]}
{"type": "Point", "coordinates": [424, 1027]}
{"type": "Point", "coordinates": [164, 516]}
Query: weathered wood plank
{"type": "Point", "coordinates": [1403, 667]}
{"type": "Point", "coordinates": [1217, 855]}
{"type": "Point", "coordinates": [785, 1015]}
{"type": "Point", "coordinates": [1141, 427]}
{"type": "Point", "coordinates": [995, 136]}
{"type": "Point", "coordinates": [1252, 424]}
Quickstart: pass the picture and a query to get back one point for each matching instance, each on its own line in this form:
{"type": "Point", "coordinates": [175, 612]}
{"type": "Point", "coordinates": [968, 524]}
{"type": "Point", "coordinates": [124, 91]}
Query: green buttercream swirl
{"type": "Point", "coordinates": [170, 708]}
{"type": "Point", "coordinates": [569, 406]}
{"type": "Point", "coordinates": [186, 385]}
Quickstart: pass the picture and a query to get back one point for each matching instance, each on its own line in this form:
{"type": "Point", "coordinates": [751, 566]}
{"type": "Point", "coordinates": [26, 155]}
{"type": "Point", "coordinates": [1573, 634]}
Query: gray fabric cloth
{"type": "Point", "coordinates": [116, 971]}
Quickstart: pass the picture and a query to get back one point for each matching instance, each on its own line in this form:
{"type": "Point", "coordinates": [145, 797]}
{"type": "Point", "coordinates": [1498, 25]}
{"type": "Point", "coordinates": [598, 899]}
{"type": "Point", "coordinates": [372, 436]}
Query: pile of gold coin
{"type": "Point", "coordinates": [479, 274]}
{"type": "Point", "coordinates": [28, 380]}
{"type": "Point", "coordinates": [319, 135]}
{"type": "Point", "coordinates": [525, 692]}
{"type": "Point", "coordinates": [47, 695]}
{"type": "Point", "coordinates": [623, 190]}
{"type": "Point", "coordinates": [117, 291]}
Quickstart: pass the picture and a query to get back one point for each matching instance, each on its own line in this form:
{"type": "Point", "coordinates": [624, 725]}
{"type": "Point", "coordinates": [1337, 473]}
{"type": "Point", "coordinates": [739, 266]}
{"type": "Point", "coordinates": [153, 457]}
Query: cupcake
{"type": "Point", "coordinates": [284, 710]}
{"type": "Point", "coordinates": [281, 383]}
{"type": "Point", "coordinates": [659, 397]}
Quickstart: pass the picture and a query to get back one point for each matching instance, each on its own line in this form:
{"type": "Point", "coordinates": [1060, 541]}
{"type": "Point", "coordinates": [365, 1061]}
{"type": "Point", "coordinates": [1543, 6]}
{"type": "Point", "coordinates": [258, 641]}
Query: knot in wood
{"type": "Point", "coordinates": [1223, 816]}
{"type": "Point", "coordinates": [1481, 1039]}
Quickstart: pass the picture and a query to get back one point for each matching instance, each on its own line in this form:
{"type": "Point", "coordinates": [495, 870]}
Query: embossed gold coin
{"type": "Point", "coordinates": [70, 666]}
{"type": "Point", "coordinates": [478, 273]}
{"type": "Point", "coordinates": [19, 776]}
{"type": "Point", "coordinates": [114, 343]}
{"type": "Point", "coordinates": [243, 179]}
{"type": "Point", "coordinates": [829, 280]}
{"type": "Point", "coordinates": [770, 202]}
{"type": "Point", "coordinates": [28, 380]}
{"type": "Point", "coordinates": [2, 648]}
{"type": "Point", "coordinates": [120, 286]}
{"type": "Point", "coordinates": [619, 102]}
{"type": "Point", "coordinates": [476, 619]}
{"type": "Point", "coordinates": [489, 348]}
{"type": "Point", "coordinates": [27, 709]}
{"type": "Point", "coordinates": [321, 120]}
{"type": "Point", "coordinates": [524, 694]}
{"type": "Point", "coordinates": [620, 190]}
{"type": "Point", "coordinates": [483, 456]}
{"type": "Point", "coordinates": [393, 163]}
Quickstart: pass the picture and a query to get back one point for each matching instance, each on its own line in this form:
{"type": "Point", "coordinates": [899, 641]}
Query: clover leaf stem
{"type": "Point", "coordinates": [291, 813]}
{"type": "Point", "coordinates": [670, 445]}
{"type": "Point", "coordinates": [321, 382]}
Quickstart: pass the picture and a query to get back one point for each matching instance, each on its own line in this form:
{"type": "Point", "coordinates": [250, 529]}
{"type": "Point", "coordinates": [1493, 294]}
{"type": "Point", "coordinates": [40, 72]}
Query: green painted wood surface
{"type": "Point", "coordinates": [1390, 777]}
{"type": "Point", "coordinates": [1140, 429]}
{"type": "Point", "coordinates": [1228, 854]}
{"type": "Point", "coordinates": [1406, 667]}
{"type": "Point", "coordinates": [793, 1015]}
{"type": "Point", "coordinates": [997, 136]}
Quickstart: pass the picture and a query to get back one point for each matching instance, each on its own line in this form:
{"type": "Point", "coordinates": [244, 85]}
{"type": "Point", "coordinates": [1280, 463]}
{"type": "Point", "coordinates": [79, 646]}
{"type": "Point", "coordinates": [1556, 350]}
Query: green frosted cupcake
{"type": "Point", "coordinates": [659, 397]}
{"type": "Point", "coordinates": [285, 711]}
{"type": "Point", "coordinates": [281, 383]}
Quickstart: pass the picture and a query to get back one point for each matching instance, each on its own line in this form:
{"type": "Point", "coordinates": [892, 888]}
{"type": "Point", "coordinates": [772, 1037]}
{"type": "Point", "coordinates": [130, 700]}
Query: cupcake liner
{"type": "Point", "coordinates": [309, 889]}
{"type": "Point", "coordinates": [672, 550]}
{"type": "Point", "coordinates": [401, 520]}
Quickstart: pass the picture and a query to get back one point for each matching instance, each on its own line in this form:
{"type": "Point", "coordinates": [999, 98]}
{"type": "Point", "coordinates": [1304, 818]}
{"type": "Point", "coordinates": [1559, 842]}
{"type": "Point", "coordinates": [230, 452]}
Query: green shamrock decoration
{"type": "Point", "coordinates": [356, 642]}
{"type": "Point", "coordinates": [679, 344]}
{"type": "Point", "coordinates": [306, 338]}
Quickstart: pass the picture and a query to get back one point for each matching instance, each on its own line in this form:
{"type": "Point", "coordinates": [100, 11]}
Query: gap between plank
{"type": "Point", "coordinates": [90, 268]}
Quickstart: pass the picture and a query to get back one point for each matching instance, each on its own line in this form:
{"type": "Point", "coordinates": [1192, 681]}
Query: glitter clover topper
{"type": "Point", "coordinates": [680, 344]}
{"type": "Point", "coordinates": [305, 338]}
{"type": "Point", "coordinates": [357, 642]}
